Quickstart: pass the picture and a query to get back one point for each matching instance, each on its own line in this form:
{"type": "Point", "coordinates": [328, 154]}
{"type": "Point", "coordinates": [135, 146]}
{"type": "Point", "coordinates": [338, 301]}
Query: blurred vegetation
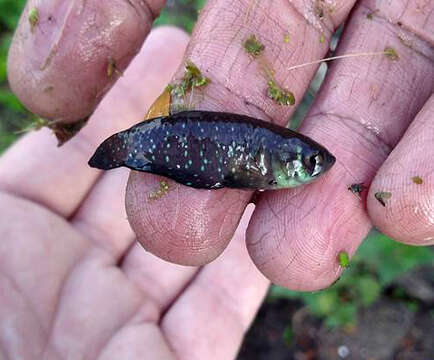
{"type": "Point", "coordinates": [378, 261]}
{"type": "Point", "coordinates": [181, 13]}
{"type": "Point", "coordinates": [13, 115]}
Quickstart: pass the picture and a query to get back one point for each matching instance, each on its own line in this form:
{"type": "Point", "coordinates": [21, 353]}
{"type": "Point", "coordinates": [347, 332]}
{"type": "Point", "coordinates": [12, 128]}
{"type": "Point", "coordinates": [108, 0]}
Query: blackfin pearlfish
{"type": "Point", "coordinates": [211, 150]}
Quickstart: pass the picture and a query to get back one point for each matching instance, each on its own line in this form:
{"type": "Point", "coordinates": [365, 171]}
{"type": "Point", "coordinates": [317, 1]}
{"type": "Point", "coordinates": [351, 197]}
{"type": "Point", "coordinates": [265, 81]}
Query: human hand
{"type": "Point", "coordinates": [73, 282]}
{"type": "Point", "coordinates": [361, 113]}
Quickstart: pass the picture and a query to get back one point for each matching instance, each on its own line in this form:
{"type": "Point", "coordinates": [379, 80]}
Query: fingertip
{"type": "Point", "coordinates": [400, 201]}
{"type": "Point", "coordinates": [291, 267]}
{"type": "Point", "coordinates": [174, 222]}
{"type": "Point", "coordinates": [295, 240]}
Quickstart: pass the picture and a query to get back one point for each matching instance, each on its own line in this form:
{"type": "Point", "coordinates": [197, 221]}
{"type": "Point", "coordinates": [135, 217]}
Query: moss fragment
{"type": "Point", "coordinates": [192, 78]}
{"type": "Point", "coordinates": [382, 196]}
{"type": "Point", "coordinates": [417, 180]}
{"type": "Point", "coordinates": [322, 39]}
{"type": "Point", "coordinates": [35, 125]}
{"type": "Point", "coordinates": [194, 75]}
{"type": "Point", "coordinates": [33, 18]}
{"type": "Point", "coordinates": [286, 38]}
{"type": "Point", "coordinates": [280, 96]}
{"type": "Point", "coordinates": [357, 189]}
{"type": "Point", "coordinates": [163, 189]}
{"type": "Point", "coordinates": [344, 259]}
{"type": "Point", "coordinates": [391, 53]}
{"type": "Point", "coordinates": [319, 11]}
{"type": "Point", "coordinates": [371, 14]}
{"type": "Point", "coordinates": [253, 46]}
{"type": "Point", "coordinates": [112, 68]}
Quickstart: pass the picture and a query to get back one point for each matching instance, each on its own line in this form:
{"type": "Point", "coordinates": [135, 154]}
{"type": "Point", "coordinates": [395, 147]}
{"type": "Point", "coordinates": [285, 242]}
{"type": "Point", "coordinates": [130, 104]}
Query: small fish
{"type": "Point", "coordinates": [212, 150]}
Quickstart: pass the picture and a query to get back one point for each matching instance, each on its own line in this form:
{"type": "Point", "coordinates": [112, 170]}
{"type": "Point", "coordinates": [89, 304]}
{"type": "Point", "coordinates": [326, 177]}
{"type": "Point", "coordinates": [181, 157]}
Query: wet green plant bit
{"type": "Point", "coordinates": [280, 96]}
{"type": "Point", "coordinates": [371, 14]}
{"type": "Point", "coordinates": [163, 189]}
{"type": "Point", "coordinates": [192, 78]}
{"type": "Point", "coordinates": [253, 46]}
{"type": "Point", "coordinates": [319, 11]}
{"type": "Point", "coordinates": [344, 259]}
{"type": "Point", "coordinates": [357, 189]}
{"type": "Point", "coordinates": [322, 39]}
{"type": "Point", "coordinates": [37, 124]}
{"type": "Point", "coordinates": [417, 180]}
{"type": "Point", "coordinates": [112, 67]}
{"type": "Point", "coordinates": [169, 87]}
{"type": "Point", "coordinates": [33, 18]}
{"type": "Point", "coordinates": [391, 53]}
{"type": "Point", "coordinates": [382, 196]}
{"type": "Point", "coordinates": [286, 38]}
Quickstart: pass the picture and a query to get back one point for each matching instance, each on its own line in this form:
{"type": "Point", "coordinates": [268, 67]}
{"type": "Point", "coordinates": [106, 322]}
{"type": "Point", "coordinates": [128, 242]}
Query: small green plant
{"type": "Point", "coordinates": [344, 259]}
{"type": "Point", "coordinates": [253, 46]}
{"type": "Point", "coordinates": [279, 95]}
{"type": "Point", "coordinates": [12, 114]}
{"type": "Point", "coordinates": [376, 264]}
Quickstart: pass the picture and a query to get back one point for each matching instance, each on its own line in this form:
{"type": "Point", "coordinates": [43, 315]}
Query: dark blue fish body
{"type": "Point", "coordinates": [212, 150]}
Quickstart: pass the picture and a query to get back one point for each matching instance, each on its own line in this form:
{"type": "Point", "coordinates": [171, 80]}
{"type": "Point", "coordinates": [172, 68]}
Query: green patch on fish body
{"type": "Point", "coordinates": [211, 150]}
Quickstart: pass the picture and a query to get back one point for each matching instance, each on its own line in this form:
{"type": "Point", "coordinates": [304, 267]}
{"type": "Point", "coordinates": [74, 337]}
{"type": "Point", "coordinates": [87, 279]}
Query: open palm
{"type": "Point", "coordinates": [73, 282]}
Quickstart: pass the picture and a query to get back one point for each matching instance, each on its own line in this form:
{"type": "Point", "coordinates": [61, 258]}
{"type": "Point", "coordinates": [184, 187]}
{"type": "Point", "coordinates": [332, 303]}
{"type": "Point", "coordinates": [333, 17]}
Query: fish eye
{"type": "Point", "coordinates": [313, 163]}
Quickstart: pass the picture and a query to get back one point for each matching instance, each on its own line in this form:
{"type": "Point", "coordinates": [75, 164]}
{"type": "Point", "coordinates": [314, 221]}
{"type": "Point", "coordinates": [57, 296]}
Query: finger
{"type": "Point", "coordinates": [102, 218]}
{"type": "Point", "coordinates": [159, 280]}
{"type": "Point", "coordinates": [197, 225]}
{"type": "Point", "coordinates": [59, 58]}
{"type": "Point", "coordinates": [209, 319]}
{"type": "Point", "coordinates": [363, 108]}
{"type": "Point", "coordinates": [407, 174]}
{"type": "Point", "coordinates": [38, 250]}
{"type": "Point", "coordinates": [142, 341]}
{"type": "Point", "coordinates": [60, 178]}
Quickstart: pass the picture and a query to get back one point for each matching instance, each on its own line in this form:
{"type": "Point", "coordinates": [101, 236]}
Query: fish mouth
{"type": "Point", "coordinates": [318, 163]}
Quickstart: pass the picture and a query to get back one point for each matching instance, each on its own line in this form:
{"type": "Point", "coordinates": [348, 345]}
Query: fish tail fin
{"type": "Point", "coordinates": [111, 154]}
